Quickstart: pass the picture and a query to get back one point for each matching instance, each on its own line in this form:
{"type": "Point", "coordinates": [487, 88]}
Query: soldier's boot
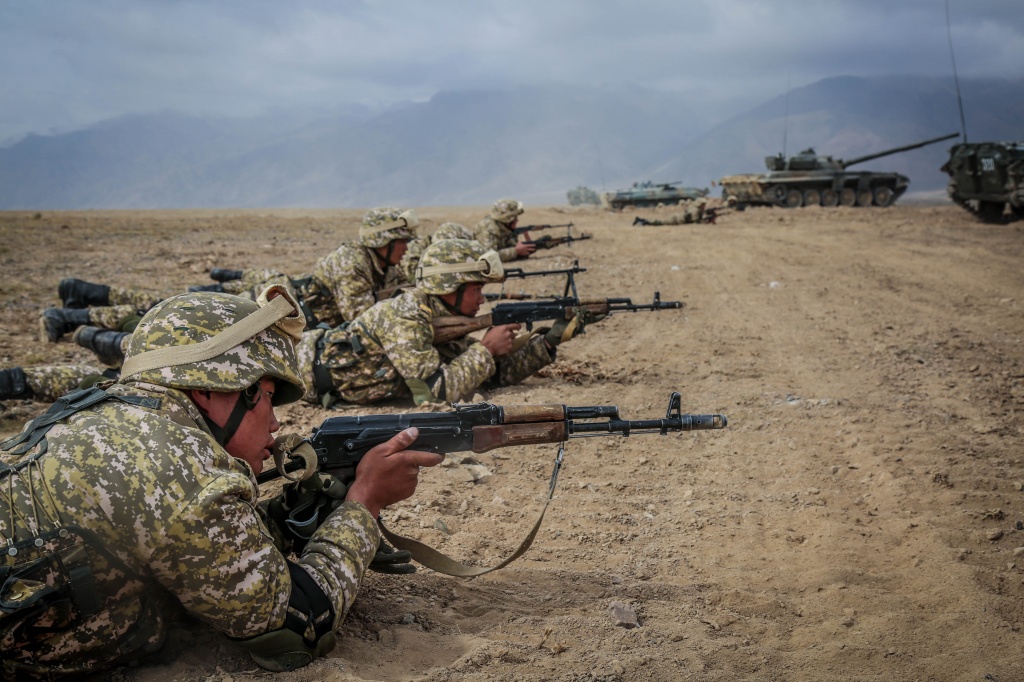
{"type": "Point", "coordinates": [218, 287]}
{"type": "Point", "coordinates": [13, 384]}
{"type": "Point", "coordinates": [56, 322]}
{"type": "Point", "coordinates": [77, 293]}
{"type": "Point", "coordinates": [224, 275]}
{"type": "Point", "coordinates": [105, 343]}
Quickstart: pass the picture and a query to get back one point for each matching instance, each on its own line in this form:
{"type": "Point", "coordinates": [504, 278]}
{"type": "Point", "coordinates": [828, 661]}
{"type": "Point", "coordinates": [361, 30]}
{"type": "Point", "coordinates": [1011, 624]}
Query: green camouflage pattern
{"type": "Point", "coordinates": [344, 284]}
{"type": "Point", "coordinates": [452, 231]}
{"type": "Point", "coordinates": [378, 216]}
{"type": "Point", "coordinates": [398, 355]}
{"type": "Point", "coordinates": [498, 237]}
{"type": "Point", "coordinates": [178, 515]}
{"type": "Point", "coordinates": [506, 210]}
{"type": "Point", "coordinates": [253, 279]}
{"type": "Point", "coordinates": [113, 316]}
{"type": "Point", "coordinates": [192, 318]}
{"type": "Point", "coordinates": [450, 252]}
{"type": "Point", "coordinates": [49, 382]}
{"type": "Point", "coordinates": [139, 300]}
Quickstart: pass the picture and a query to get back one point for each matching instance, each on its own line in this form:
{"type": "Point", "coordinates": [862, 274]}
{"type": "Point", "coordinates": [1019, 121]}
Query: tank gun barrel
{"type": "Point", "coordinates": [887, 152]}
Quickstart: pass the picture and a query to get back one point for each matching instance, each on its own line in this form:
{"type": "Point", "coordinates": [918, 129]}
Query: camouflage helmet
{"type": "Point", "coordinates": [453, 231]}
{"type": "Point", "coordinates": [219, 342]}
{"type": "Point", "coordinates": [447, 264]}
{"type": "Point", "coordinates": [506, 210]}
{"type": "Point", "coordinates": [381, 226]}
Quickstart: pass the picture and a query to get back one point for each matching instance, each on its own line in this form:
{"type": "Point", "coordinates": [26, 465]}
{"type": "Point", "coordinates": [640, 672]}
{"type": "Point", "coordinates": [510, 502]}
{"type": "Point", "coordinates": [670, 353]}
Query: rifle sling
{"type": "Point", "coordinates": [442, 563]}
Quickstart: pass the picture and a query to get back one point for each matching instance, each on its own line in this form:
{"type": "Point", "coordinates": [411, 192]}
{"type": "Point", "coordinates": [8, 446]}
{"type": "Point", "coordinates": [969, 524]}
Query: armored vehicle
{"type": "Point", "coordinates": [808, 179]}
{"type": "Point", "coordinates": [987, 179]}
{"type": "Point", "coordinates": [582, 195]}
{"type": "Point", "coordinates": [646, 194]}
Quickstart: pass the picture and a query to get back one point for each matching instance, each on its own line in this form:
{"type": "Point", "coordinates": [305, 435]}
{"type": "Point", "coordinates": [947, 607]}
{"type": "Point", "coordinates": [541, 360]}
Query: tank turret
{"type": "Point", "coordinates": [810, 179]}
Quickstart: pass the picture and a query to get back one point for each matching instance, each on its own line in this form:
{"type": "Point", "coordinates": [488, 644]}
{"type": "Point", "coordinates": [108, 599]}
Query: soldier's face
{"type": "Point", "coordinates": [472, 298]}
{"type": "Point", "coordinates": [254, 438]}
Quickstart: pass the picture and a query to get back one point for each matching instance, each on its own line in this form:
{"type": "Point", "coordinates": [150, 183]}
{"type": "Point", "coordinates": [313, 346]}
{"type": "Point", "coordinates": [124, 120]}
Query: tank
{"type": "Point", "coordinates": [581, 195]}
{"type": "Point", "coordinates": [808, 179]}
{"type": "Point", "coordinates": [987, 179]}
{"type": "Point", "coordinates": [645, 194]}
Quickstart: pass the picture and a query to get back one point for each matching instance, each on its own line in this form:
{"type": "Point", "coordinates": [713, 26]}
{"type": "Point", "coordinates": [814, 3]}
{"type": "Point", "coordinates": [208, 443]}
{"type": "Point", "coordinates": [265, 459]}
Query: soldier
{"type": "Point", "coordinates": [497, 231]}
{"type": "Point", "coordinates": [342, 284]}
{"type": "Point", "coordinates": [388, 351]}
{"type": "Point", "coordinates": [693, 212]}
{"type": "Point", "coordinates": [126, 504]}
{"type": "Point", "coordinates": [48, 382]}
{"type": "Point", "coordinates": [86, 303]}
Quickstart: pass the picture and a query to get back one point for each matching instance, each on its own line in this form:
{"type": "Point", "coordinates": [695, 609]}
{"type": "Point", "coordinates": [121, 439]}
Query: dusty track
{"type": "Point", "coordinates": [857, 520]}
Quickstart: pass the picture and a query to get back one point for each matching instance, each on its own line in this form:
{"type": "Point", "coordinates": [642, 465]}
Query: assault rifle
{"type": "Point", "coordinates": [530, 228]}
{"type": "Point", "coordinates": [570, 280]}
{"type": "Point", "coordinates": [341, 442]}
{"type": "Point", "coordinates": [454, 327]}
{"type": "Point", "coordinates": [549, 242]}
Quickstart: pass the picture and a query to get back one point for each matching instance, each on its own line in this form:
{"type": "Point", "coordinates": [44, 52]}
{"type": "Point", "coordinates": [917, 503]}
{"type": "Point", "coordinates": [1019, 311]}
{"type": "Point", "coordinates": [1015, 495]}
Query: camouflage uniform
{"type": "Point", "coordinates": [50, 382]}
{"type": "Point", "coordinates": [693, 212]}
{"type": "Point", "coordinates": [389, 352]}
{"type": "Point", "coordinates": [114, 316]}
{"type": "Point", "coordinates": [138, 300]}
{"type": "Point", "coordinates": [252, 279]}
{"type": "Point", "coordinates": [494, 231]}
{"type": "Point", "coordinates": [170, 517]}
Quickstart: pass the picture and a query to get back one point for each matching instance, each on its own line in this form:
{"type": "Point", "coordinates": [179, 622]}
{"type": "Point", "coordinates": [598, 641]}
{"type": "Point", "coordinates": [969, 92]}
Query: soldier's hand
{"type": "Point", "coordinates": [388, 473]}
{"type": "Point", "coordinates": [523, 250]}
{"type": "Point", "coordinates": [499, 340]}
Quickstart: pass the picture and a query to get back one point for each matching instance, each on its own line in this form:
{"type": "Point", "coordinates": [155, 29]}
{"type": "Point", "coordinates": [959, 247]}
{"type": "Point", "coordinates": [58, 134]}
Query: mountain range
{"type": "Point", "coordinates": [472, 147]}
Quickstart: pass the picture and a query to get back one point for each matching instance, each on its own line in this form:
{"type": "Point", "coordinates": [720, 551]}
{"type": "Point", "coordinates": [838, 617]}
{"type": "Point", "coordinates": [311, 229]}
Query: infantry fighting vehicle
{"type": "Point", "coordinates": [647, 194]}
{"type": "Point", "coordinates": [582, 195]}
{"type": "Point", "coordinates": [987, 179]}
{"type": "Point", "coordinates": [808, 179]}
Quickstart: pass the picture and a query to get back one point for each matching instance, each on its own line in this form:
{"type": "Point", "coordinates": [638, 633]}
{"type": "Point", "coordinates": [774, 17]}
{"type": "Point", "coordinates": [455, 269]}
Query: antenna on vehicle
{"type": "Point", "coordinates": [956, 79]}
{"type": "Point", "coordinates": [785, 120]}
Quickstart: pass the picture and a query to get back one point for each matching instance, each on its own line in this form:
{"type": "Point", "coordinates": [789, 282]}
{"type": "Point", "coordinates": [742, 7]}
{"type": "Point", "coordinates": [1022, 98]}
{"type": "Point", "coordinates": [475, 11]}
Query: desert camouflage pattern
{"type": "Point", "coordinates": [388, 352]}
{"type": "Point", "coordinates": [49, 382]}
{"type": "Point", "coordinates": [195, 317]}
{"type": "Point", "coordinates": [444, 252]}
{"type": "Point", "coordinates": [139, 300]}
{"type": "Point", "coordinates": [497, 236]}
{"type": "Point", "coordinates": [345, 283]}
{"type": "Point", "coordinates": [177, 520]}
{"type": "Point", "coordinates": [414, 251]}
{"type": "Point", "coordinates": [693, 212]}
{"type": "Point", "coordinates": [506, 210]}
{"type": "Point", "coordinates": [374, 218]}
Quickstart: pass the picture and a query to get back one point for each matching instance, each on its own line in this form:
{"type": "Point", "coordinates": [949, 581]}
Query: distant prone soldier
{"type": "Point", "coordinates": [693, 212]}
{"type": "Point", "coordinates": [342, 284]}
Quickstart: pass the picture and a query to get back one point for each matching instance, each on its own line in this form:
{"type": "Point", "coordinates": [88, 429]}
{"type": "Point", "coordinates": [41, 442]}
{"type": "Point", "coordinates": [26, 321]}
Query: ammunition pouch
{"type": "Point", "coordinates": [338, 354]}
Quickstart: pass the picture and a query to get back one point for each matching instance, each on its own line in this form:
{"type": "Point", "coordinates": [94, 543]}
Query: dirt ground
{"type": "Point", "coordinates": [861, 518]}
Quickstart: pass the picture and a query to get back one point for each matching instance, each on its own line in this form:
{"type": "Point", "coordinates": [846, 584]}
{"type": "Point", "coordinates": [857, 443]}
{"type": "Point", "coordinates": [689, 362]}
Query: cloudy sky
{"type": "Point", "coordinates": [70, 63]}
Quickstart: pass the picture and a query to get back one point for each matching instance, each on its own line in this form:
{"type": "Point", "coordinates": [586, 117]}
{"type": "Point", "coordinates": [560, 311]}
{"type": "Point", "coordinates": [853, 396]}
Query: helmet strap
{"type": "Point", "coordinates": [246, 401]}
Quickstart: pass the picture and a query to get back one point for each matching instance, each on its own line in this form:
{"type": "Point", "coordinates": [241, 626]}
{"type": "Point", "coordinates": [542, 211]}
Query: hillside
{"type": "Point", "coordinates": [473, 147]}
